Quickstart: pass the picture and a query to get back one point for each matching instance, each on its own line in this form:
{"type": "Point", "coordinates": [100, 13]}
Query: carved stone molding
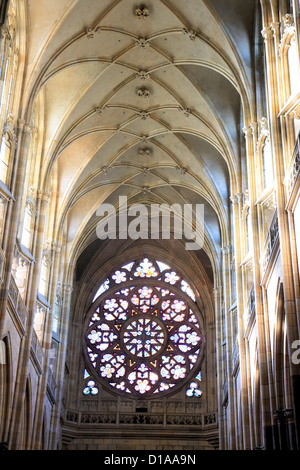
{"type": "Point", "coordinates": [67, 288]}
{"type": "Point", "coordinates": [143, 75]}
{"type": "Point", "coordinates": [146, 189]}
{"type": "Point", "coordinates": [245, 199]}
{"type": "Point", "coordinates": [181, 169]}
{"type": "Point", "coordinates": [190, 33]}
{"type": "Point", "coordinates": [99, 109]}
{"type": "Point", "coordinates": [186, 111]}
{"type": "Point", "coordinates": [226, 250]}
{"type": "Point", "coordinates": [254, 128]}
{"type": "Point", "coordinates": [90, 32]}
{"type": "Point", "coordinates": [283, 416]}
{"type": "Point", "coordinates": [235, 199]}
{"type": "Point", "coordinates": [288, 19]}
{"type": "Point", "coordinates": [144, 115]}
{"type": "Point", "coordinates": [275, 26]}
{"type": "Point", "coordinates": [105, 169]}
{"type": "Point", "coordinates": [296, 112]}
{"type": "Point", "coordinates": [9, 123]}
{"type": "Point", "coordinates": [143, 93]}
{"type": "Point", "coordinates": [142, 12]}
{"type": "Point", "coordinates": [43, 195]}
{"type": "Point", "coordinates": [264, 126]}
{"type": "Point", "coordinates": [142, 42]}
{"type": "Point", "coordinates": [289, 415]}
{"type": "Point", "coordinates": [209, 419]}
{"type": "Point", "coordinates": [217, 291]}
{"type": "Point", "coordinates": [52, 246]}
{"type": "Point", "coordinates": [4, 32]}
{"type": "Point", "coordinates": [144, 138]}
{"type": "Point", "coordinates": [23, 126]}
{"type": "Point", "coordinates": [28, 129]}
{"type": "Point", "coordinates": [267, 33]}
{"type": "Point", "coordinates": [270, 203]}
{"type": "Point", "coordinates": [145, 151]}
{"type": "Point", "coordinates": [247, 131]}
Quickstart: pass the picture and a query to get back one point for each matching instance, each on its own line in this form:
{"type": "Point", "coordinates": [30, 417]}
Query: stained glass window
{"type": "Point", "coordinates": [90, 386]}
{"type": "Point", "coordinates": [143, 338]}
{"type": "Point", "coordinates": [27, 225]}
{"type": "Point", "coordinates": [5, 150]}
{"type": "Point", "coordinates": [194, 387]}
{"type": "Point", "coordinates": [146, 269]}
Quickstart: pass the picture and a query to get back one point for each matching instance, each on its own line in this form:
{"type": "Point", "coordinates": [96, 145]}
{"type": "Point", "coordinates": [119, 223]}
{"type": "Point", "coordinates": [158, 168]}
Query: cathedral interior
{"type": "Point", "coordinates": [127, 339]}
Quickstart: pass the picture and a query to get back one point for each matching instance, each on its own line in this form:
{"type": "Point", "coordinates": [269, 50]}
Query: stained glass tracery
{"type": "Point", "coordinates": [146, 269]}
{"type": "Point", "coordinates": [143, 339]}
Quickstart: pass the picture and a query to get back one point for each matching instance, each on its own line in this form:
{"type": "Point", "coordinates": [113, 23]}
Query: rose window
{"type": "Point", "coordinates": [143, 333]}
{"type": "Point", "coordinates": [143, 336]}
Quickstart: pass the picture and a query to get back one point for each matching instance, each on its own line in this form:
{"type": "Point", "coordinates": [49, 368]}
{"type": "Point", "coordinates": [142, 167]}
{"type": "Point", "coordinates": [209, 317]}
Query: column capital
{"type": "Point", "coordinates": [267, 33]}
{"type": "Point", "coordinates": [53, 246]}
{"type": "Point", "coordinates": [67, 288]}
{"type": "Point", "coordinates": [28, 128]}
{"type": "Point", "coordinates": [254, 126]}
{"type": "Point", "coordinates": [289, 415]}
{"type": "Point", "coordinates": [247, 130]}
{"type": "Point", "coordinates": [217, 290]}
{"type": "Point", "coordinates": [4, 32]}
{"type": "Point", "coordinates": [278, 416]}
{"type": "Point", "coordinates": [275, 27]}
{"type": "Point", "coordinates": [236, 198]}
{"type": "Point", "coordinates": [43, 195]}
{"type": "Point", "coordinates": [22, 125]}
{"type": "Point", "coordinates": [226, 250]}
{"type": "Point", "coordinates": [296, 112]}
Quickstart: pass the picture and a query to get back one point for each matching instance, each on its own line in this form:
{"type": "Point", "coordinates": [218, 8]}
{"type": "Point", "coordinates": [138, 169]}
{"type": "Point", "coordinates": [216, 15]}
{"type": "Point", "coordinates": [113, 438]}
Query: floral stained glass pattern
{"type": "Point", "coordinates": [194, 387]}
{"type": "Point", "coordinates": [146, 269]}
{"type": "Point", "coordinates": [90, 386]}
{"type": "Point", "coordinates": [144, 339]}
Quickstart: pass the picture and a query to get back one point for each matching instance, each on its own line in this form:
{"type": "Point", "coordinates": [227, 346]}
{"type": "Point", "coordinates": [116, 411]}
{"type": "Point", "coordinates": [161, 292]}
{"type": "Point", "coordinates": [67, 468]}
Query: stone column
{"type": "Point", "coordinates": [237, 203]}
{"type": "Point", "coordinates": [23, 365]}
{"type": "Point", "coordinates": [250, 135]}
{"type": "Point", "coordinates": [57, 410]}
{"type": "Point", "coordinates": [226, 263]}
{"type": "Point", "coordinates": [5, 40]}
{"type": "Point", "coordinates": [285, 248]}
{"type": "Point", "coordinates": [47, 340]}
{"type": "Point", "coordinates": [295, 265]}
{"type": "Point", "coordinates": [220, 366]}
{"type": "Point", "coordinates": [13, 212]}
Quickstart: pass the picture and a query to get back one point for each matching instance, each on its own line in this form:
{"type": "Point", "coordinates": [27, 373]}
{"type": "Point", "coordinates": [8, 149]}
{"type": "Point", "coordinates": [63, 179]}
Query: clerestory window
{"type": "Point", "coordinates": [5, 150]}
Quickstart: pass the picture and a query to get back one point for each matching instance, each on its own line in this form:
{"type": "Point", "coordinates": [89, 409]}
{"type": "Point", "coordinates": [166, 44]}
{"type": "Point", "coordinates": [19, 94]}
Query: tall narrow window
{"type": "Point", "coordinates": [4, 157]}
{"type": "Point", "coordinates": [293, 67]}
{"type": "Point", "coordinates": [249, 232]}
{"type": "Point", "coordinates": [56, 314]}
{"type": "Point", "coordinates": [44, 277]}
{"type": "Point", "coordinates": [27, 225]}
{"type": "Point", "coordinates": [267, 163]}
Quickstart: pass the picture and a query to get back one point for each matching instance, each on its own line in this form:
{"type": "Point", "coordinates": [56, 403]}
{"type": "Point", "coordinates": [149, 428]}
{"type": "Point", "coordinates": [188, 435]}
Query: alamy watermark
{"type": "Point", "coordinates": [138, 221]}
{"type": "Point", "coordinates": [296, 354]}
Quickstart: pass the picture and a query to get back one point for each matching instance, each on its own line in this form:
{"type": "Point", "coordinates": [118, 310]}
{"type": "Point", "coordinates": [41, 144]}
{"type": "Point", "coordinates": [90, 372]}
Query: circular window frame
{"type": "Point", "coordinates": [178, 295]}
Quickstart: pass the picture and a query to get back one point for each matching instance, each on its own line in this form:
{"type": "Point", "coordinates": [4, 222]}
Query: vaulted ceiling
{"type": "Point", "coordinates": [149, 107]}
